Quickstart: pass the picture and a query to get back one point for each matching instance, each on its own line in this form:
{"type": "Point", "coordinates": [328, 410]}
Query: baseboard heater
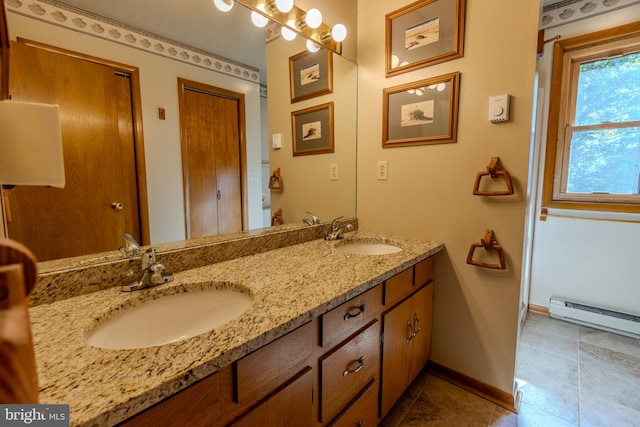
{"type": "Point", "coordinates": [595, 317]}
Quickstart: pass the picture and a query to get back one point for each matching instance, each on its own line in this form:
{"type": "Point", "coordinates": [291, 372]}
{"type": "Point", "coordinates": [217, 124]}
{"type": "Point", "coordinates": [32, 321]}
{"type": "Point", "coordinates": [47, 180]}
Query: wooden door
{"type": "Point", "coordinates": [99, 154]}
{"type": "Point", "coordinates": [212, 159]}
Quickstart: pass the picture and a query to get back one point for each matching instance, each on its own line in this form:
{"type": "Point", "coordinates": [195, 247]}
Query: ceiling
{"type": "Point", "coordinates": [197, 23]}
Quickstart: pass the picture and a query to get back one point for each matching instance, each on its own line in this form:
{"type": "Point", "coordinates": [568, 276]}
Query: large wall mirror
{"type": "Point", "coordinates": [196, 42]}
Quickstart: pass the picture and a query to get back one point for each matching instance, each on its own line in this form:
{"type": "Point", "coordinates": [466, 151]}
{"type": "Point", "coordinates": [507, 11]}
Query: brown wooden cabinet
{"type": "Point", "coordinates": [292, 405]}
{"type": "Point", "coordinates": [406, 332]}
{"type": "Point", "coordinates": [346, 368]}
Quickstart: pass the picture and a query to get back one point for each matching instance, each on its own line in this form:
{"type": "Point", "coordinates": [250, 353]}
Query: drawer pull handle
{"type": "Point", "coordinates": [360, 423]}
{"type": "Point", "coordinates": [357, 369]}
{"type": "Point", "coordinates": [416, 320]}
{"type": "Point", "coordinates": [410, 333]}
{"type": "Point", "coordinates": [359, 313]}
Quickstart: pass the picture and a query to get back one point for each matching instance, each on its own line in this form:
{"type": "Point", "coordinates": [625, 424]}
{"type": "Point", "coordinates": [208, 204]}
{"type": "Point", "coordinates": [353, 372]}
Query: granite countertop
{"type": "Point", "coordinates": [289, 286]}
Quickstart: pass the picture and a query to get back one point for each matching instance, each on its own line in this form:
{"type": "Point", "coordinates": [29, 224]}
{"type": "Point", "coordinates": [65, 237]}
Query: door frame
{"type": "Point", "coordinates": [184, 85]}
{"type": "Point", "coordinates": [138, 138]}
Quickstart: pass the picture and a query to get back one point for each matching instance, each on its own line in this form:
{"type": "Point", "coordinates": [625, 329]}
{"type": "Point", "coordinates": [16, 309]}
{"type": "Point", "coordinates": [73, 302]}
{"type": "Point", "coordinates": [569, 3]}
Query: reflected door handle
{"type": "Point", "coordinates": [117, 206]}
{"type": "Point", "coordinates": [218, 195]}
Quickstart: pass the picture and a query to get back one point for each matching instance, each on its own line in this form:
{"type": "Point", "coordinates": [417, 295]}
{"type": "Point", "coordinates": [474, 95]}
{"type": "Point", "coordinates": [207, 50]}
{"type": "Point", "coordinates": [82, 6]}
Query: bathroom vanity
{"type": "Point", "coordinates": [331, 338]}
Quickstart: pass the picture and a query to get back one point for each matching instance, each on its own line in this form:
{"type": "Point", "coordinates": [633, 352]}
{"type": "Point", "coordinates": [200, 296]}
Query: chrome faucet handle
{"type": "Point", "coordinates": [335, 224]}
{"type": "Point", "coordinates": [314, 219]}
{"type": "Point", "coordinates": [131, 248]}
{"type": "Point", "coordinates": [148, 258]}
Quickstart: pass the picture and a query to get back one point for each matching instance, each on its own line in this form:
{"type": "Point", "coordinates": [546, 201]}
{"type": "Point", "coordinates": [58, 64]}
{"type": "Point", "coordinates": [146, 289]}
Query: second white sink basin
{"type": "Point", "coordinates": [169, 319]}
{"type": "Point", "coordinates": [368, 248]}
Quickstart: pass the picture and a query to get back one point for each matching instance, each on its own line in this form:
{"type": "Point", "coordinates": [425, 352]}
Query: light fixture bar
{"type": "Point", "coordinates": [320, 35]}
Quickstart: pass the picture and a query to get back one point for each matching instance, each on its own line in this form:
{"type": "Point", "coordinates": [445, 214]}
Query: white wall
{"type": "Point", "coordinates": [159, 88]}
{"type": "Point", "coordinates": [587, 260]}
{"type": "Point", "coordinates": [429, 191]}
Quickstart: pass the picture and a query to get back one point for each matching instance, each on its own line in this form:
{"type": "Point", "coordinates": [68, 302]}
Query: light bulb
{"type": "Point", "coordinates": [313, 18]}
{"type": "Point", "coordinates": [339, 32]}
{"type": "Point", "coordinates": [257, 19]}
{"type": "Point", "coordinates": [287, 33]}
{"type": "Point", "coordinates": [223, 5]}
{"type": "Point", "coordinates": [312, 46]}
{"type": "Point", "coordinates": [441, 87]}
{"type": "Point", "coordinates": [419, 92]}
{"type": "Point", "coordinates": [284, 6]}
{"type": "Point", "coordinates": [395, 61]}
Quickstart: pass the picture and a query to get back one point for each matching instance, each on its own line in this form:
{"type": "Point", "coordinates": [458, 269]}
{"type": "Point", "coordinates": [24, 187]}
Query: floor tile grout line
{"type": "Point", "coordinates": [549, 352]}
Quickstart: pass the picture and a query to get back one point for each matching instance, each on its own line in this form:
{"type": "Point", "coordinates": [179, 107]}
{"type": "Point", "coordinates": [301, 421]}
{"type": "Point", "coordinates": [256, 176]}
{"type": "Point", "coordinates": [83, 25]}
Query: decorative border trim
{"type": "Point", "coordinates": [568, 11]}
{"type": "Point", "coordinates": [68, 17]}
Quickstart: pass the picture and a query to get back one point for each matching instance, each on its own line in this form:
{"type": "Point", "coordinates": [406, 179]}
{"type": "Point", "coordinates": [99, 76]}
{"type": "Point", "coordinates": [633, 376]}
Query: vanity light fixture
{"type": "Point", "coordinates": [284, 6]}
{"type": "Point", "coordinates": [313, 18]}
{"type": "Point", "coordinates": [339, 33]}
{"type": "Point", "coordinates": [258, 19]}
{"type": "Point", "coordinates": [223, 5]}
{"type": "Point", "coordinates": [312, 46]}
{"type": "Point", "coordinates": [287, 33]}
{"type": "Point", "coordinates": [295, 21]}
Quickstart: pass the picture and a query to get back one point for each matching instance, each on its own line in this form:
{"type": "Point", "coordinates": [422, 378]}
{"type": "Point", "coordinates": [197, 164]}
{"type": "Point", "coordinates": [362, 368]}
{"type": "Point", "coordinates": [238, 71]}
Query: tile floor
{"type": "Point", "coordinates": [570, 375]}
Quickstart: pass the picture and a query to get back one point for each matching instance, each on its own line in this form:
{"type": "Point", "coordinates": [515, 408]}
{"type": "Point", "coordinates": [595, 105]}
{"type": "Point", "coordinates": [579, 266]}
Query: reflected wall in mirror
{"type": "Point", "coordinates": [161, 61]}
{"type": "Point", "coordinates": [323, 184]}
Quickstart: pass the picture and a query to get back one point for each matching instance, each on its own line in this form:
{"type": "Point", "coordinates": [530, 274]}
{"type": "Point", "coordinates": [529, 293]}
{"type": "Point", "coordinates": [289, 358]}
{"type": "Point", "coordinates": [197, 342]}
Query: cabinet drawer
{"type": "Point", "coordinates": [345, 372]}
{"type": "Point", "coordinates": [198, 404]}
{"type": "Point", "coordinates": [397, 287]}
{"type": "Point", "coordinates": [363, 412]}
{"type": "Point", "coordinates": [425, 271]}
{"type": "Point", "coordinates": [267, 368]}
{"type": "Point", "coordinates": [352, 315]}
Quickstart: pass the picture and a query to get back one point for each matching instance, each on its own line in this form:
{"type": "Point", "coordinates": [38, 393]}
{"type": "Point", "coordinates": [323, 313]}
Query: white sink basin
{"type": "Point", "coordinates": [169, 319]}
{"type": "Point", "coordinates": [368, 248]}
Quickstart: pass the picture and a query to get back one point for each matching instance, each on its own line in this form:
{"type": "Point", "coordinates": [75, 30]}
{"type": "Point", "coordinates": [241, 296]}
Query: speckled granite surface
{"type": "Point", "coordinates": [62, 279]}
{"type": "Point", "coordinates": [289, 286]}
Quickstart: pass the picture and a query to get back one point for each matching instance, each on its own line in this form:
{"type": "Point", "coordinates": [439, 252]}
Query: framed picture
{"type": "Point", "coordinates": [313, 130]}
{"type": "Point", "coordinates": [424, 33]}
{"type": "Point", "coordinates": [310, 74]}
{"type": "Point", "coordinates": [420, 113]}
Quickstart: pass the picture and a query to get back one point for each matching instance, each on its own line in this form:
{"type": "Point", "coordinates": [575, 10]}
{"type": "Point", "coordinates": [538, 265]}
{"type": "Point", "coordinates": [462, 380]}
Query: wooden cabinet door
{"type": "Point", "coordinates": [422, 303]}
{"type": "Point", "coordinates": [291, 406]}
{"type": "Point", "coordinates": [395, 354]}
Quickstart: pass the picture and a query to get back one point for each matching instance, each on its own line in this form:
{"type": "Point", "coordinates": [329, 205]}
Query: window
{"type": "Point", "coordinates": [593, 139]}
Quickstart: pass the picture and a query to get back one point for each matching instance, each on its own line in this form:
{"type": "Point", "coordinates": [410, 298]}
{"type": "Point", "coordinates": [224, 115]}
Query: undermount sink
{"type": "Point", "coordinates": [170, 319]}
{"type": "Point", "coordinates": [367, 248]}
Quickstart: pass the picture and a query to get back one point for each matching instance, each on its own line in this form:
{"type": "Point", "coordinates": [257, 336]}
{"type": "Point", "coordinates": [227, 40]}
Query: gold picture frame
{"type": "Point", "coordinates": [424, 33]}
{"type": "Point", "coordinates": [422, 112]}
{"type": "Point", "coordinates": [310, 74]}
{"type": "Point", "coordinates": [313, 130]}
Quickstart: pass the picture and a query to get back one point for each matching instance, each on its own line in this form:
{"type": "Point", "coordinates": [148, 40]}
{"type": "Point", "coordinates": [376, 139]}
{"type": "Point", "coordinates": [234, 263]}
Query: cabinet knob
{"type": "Point", "coordinates": [416, 320]}
{"type": "Point", "coordinates": [117, 206]}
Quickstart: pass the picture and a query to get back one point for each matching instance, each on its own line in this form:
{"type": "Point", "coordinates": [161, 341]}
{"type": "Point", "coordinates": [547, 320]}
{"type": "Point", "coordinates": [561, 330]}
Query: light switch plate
{"type": "Point", "coordinates": [383, 170]}
{"type": "Point", "coordinates": [333, 171]}
{"type": "Point", "coordinates": [276, 141]}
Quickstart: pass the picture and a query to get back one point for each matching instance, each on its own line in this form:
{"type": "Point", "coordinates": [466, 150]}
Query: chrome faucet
{"type": "Point", "coordinates": [337, 229]}
{"type": "Point", "coordinates": [151, 273]}
{"type": "Point", "coordinates": [313, 221]}
{"type": "Point", "coordinates": [131, 248]}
